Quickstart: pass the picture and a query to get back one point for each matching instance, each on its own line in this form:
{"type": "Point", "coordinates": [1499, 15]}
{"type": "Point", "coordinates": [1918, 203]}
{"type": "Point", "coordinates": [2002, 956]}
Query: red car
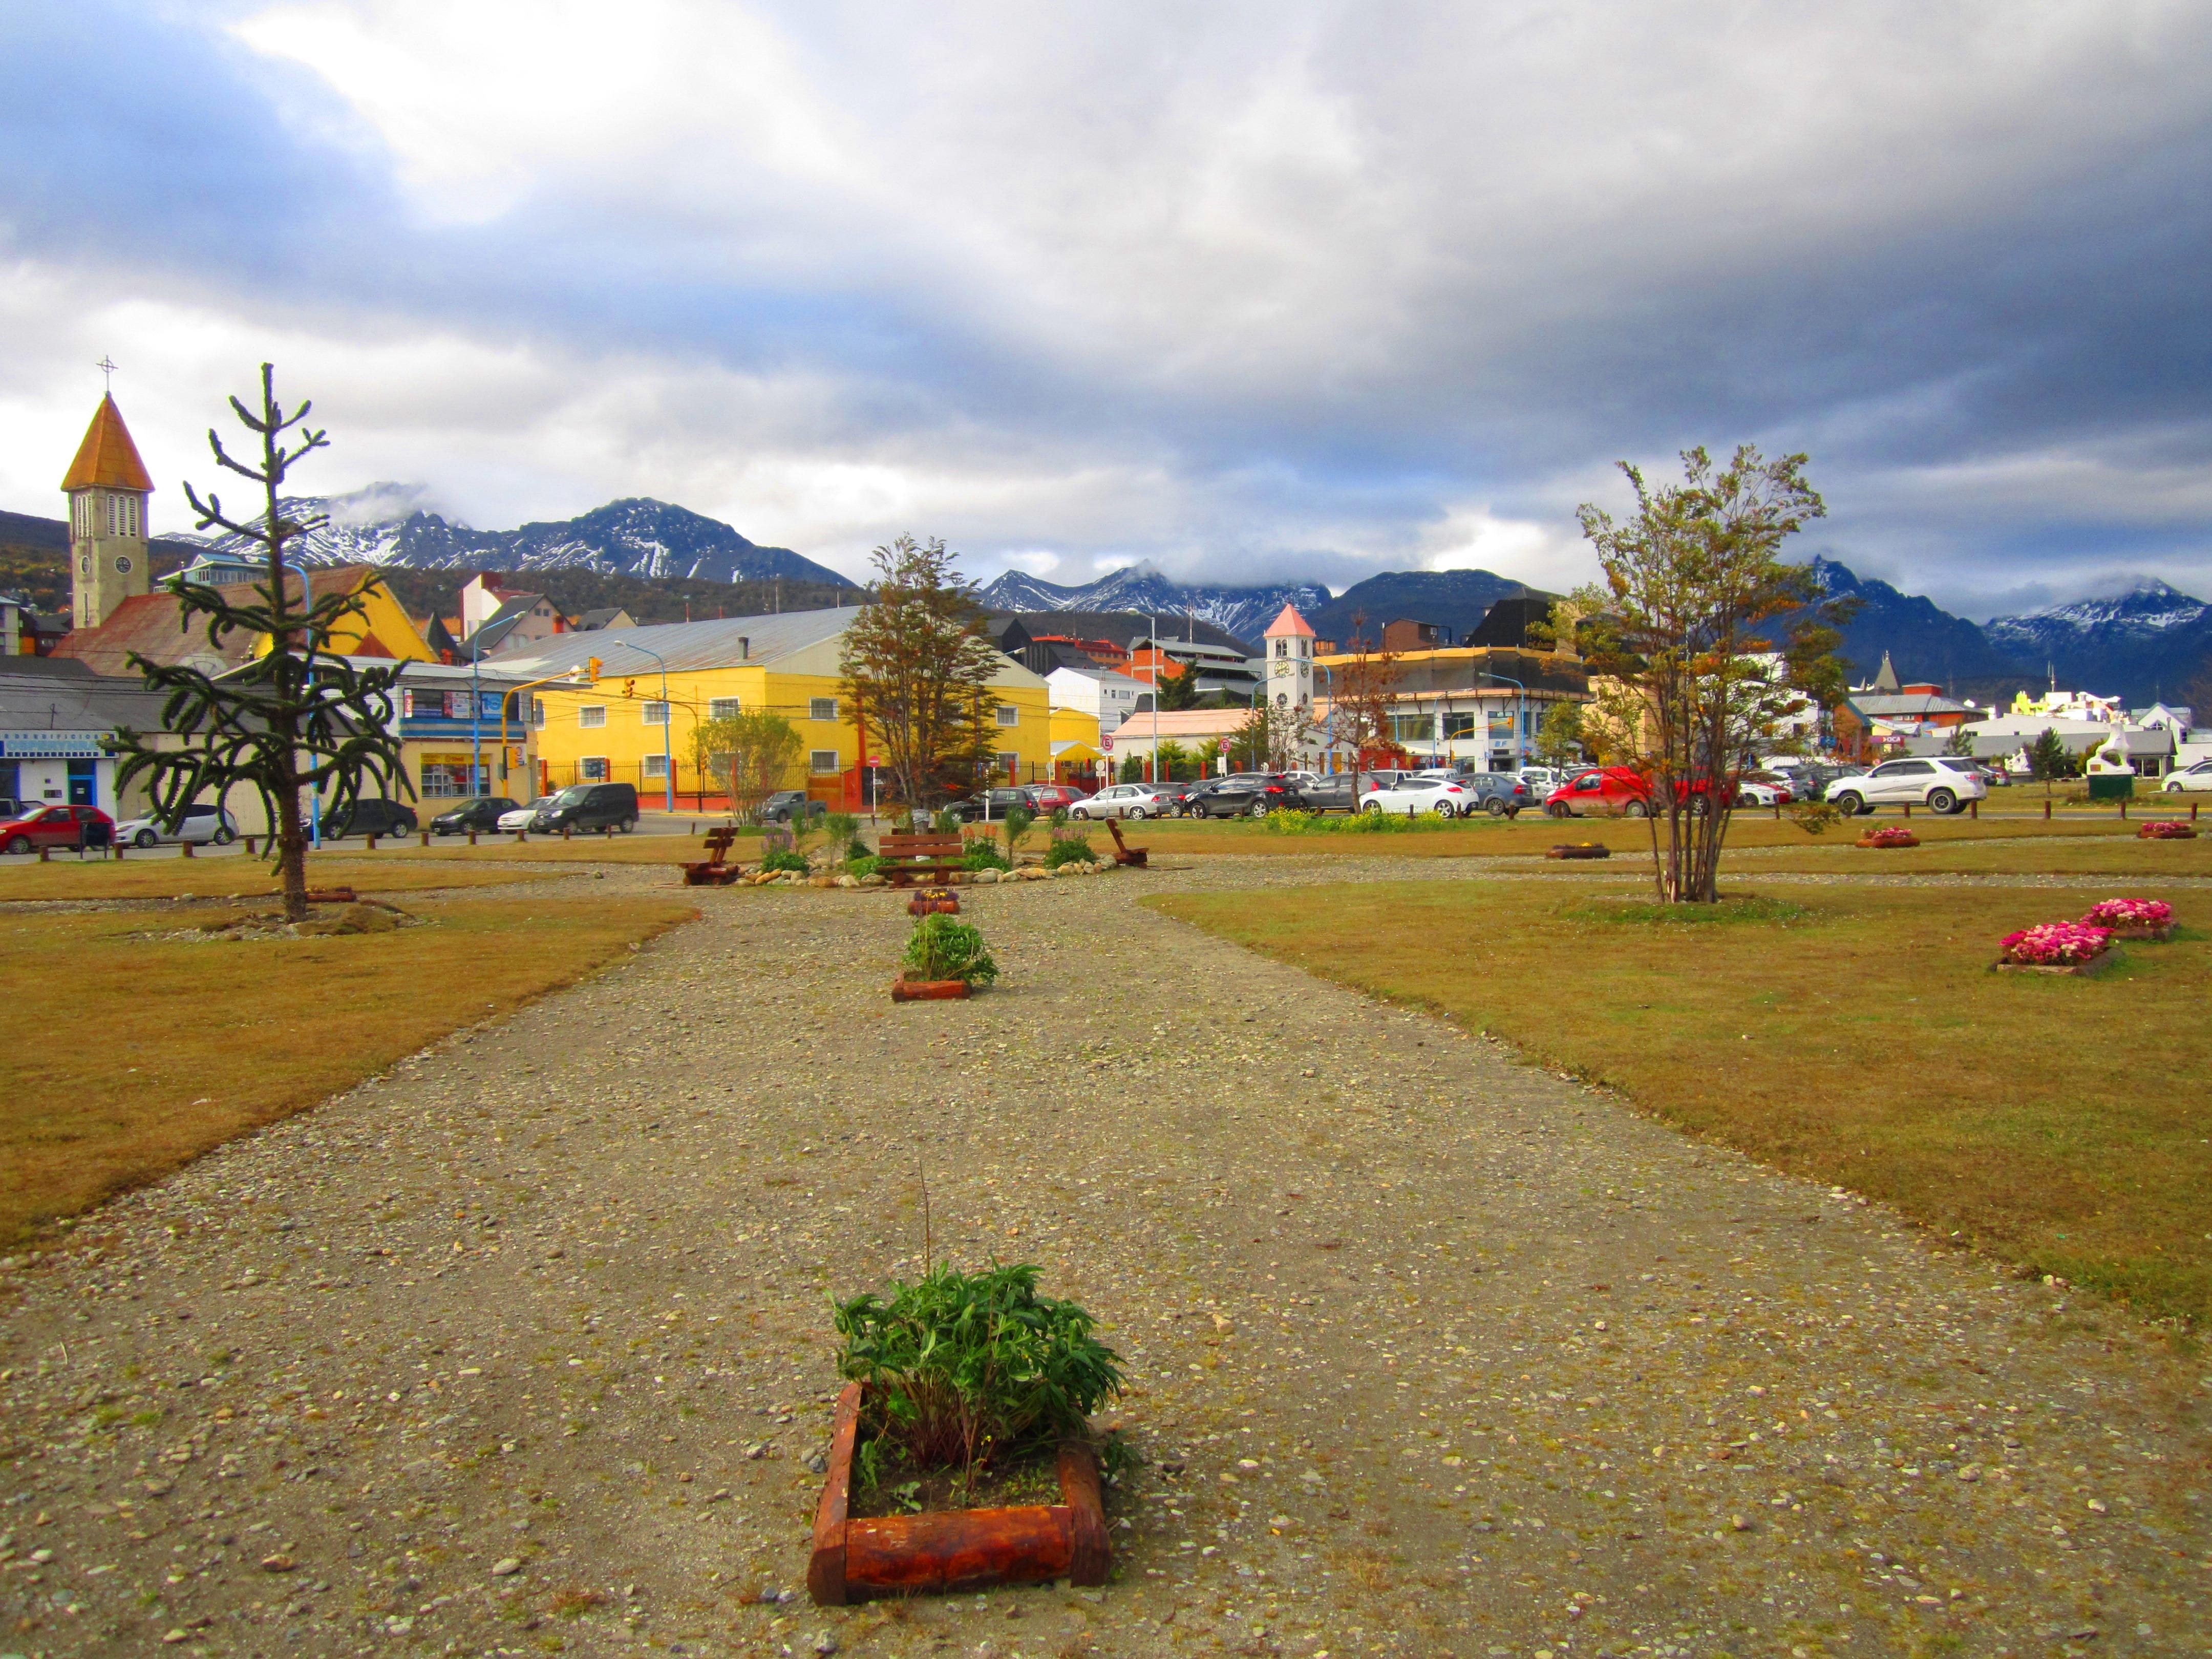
{"type": "Point", "coordinates": [56, 826]}
{"type": "Point", "coordinates": [1614, 791]}
{"type": "Point", "coordinates": [1045, 797]}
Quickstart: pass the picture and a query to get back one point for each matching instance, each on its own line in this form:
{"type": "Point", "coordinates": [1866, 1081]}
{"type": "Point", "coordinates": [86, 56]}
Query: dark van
{"type": "Point", "coordinates": [590, 807]}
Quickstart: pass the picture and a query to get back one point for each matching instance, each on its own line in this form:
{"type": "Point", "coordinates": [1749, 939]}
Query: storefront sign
{"type": "Point", "coordinates": [53, 745]}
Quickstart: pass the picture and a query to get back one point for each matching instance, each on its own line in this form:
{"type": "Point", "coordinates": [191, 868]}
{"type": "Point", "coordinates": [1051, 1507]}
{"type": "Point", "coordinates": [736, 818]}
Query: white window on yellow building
{"type": "Point", "coordinates": [822, 761]}
{"type": "Point", "coordinates": [1009, 716]}
{"type": "Point", "coordinates": [1008, 761]}
{"type": "Point", "coordinates": [592, 714]}
{"type": "Point", "coordinates": [822, 708]}
{"type": "Point", "coordinates": [656, 766]}
{"type": "Point", "coordinates": [721, 709]}
{"type": "Point", "coordinates": [592, 769]}
{"type": "Point", "coordinates": [656, 713]}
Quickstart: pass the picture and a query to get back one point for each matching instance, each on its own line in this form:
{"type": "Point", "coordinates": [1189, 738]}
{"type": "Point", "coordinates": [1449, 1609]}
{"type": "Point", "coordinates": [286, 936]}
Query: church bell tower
{"type": "Point", "coordinates": [107, 487]}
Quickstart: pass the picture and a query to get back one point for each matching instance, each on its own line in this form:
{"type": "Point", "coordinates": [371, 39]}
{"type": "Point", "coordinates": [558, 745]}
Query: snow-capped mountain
{"type": "Point", "coordinates": [2151, 641]}
{"type": "Point", "coordinates": [1243, 612]}
{"type": "Point", "coordinates": [388, 525]}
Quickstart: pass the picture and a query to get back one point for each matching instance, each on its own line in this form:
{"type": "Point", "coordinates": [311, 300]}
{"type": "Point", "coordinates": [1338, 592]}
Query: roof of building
{"type": "Point", "coordinates": [54, 702]}
{"type": "Point", "coordinates": [107, 457]}
{"type": "Point", "coordinates": [1091, 671]}
{"type": "Point", "coordinates": [1288, 624]}
{"type": "Point", "coordinates": [1180, 723]}
{"type": "Point", "coordinates": [152, 625]}
{"type": "Point", "coordinates": [1122, 628]}
{"type": "Point", "coordinates": [1903, 704]}
{"type": "Point", "coordinates": [605, 616]}
{"type": "Point", "coordinates": [724, 642]}
{"type": "Point", "coordinates": [1884, 678]}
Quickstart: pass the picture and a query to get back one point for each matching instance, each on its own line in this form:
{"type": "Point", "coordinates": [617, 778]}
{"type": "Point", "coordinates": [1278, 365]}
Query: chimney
{"type": "Point", "coordinates": [744, 647]}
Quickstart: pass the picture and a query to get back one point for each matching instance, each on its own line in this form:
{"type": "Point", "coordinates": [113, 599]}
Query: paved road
{"type": "Point", "coordinates": [1434, 1354]}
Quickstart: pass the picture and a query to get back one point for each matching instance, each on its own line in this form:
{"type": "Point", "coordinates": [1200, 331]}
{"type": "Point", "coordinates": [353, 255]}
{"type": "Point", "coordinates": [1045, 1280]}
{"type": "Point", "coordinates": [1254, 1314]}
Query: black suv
{"type": "Point", "coordinates": [786, 805]}
{"type": "Point", "coordinates": [992, 804]}
{"type": "Point", "coordinates": [1244, 794]}
{"type": "Point", "coordinates": [590, 806]}
{"type": "Point", "coordinates": [481, 813]}
{"type": "Point", "coordinates": [372, 815]}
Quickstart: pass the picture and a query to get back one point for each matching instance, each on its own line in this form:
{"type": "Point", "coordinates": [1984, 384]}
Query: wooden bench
{"type": "Point", "coordinates": [714, 870]}
{"type": "Point", "coordinates": [939, 856]}
{"type": "Point", "coordinates": [1123, 853]}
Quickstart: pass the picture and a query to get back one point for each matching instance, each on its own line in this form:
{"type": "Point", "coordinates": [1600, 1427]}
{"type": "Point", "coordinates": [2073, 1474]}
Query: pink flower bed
{"type": "Point", "coordinates": [2055, 944]}
{"type": "Point", "coordinates": [2128, 913]}
{"type": "Point", "coordinates": [1895, 835]}
{"type": "Point", "coordinates": [2166, 829]}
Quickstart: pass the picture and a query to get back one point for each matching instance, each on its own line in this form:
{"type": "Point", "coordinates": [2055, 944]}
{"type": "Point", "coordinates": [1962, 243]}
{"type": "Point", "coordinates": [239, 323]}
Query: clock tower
{"type": "Point", "coordinates": [1290, 663]}
{"type": "Point", "coordinates": [107, 487]}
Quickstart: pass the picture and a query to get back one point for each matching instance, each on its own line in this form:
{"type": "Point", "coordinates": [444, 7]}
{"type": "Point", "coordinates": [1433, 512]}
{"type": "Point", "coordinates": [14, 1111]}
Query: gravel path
{"type": "Point", "coordinates": [523, 1346]}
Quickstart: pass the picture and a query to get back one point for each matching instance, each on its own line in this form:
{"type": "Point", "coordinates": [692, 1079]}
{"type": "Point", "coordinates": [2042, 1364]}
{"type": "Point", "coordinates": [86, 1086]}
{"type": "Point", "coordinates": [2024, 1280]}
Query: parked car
{"type": "Point", "coordinates": [2188, 780]}
{"type": "Point", "coordinates": [1179, 794]}
{"type": "Point", "coordinates": [372, 815]}
{"type": "Point", "coordinates": [1406, 796]}
{"type": "Point", "coordinates": [1255, 794]}
{"type": "Point", "coordinates": [590, 806]}
{"type": "Point", "coordinates": [1764, 789]}
{"type": "Point", "coordinates": [12, 808]}
{"type": "Point", "coordinates": [56, 826]}
{"type": "Point", "coordinates": [1128, 800]}
{"type": "Point", "coordinates": [1334, 793]}
{"type": "Point", "coordinates": [483, 812]}
{"type": "Point", "coordinates": [1541, 781]}
{"type": "Point", "coordinates": [522, 816]}
{"type": "Point", "coordinates": [1045, 798]}
{"type": "Point", "coordinates": [785, 804]}
{"type": "Point", "coordinates": [1603, 791]}
{"type": "Point", "coordinates": [989, 806]}
{"type": "Point", "coordinates": [1942, 783]}
{"type": "Point", "coordinates": [201, 826]}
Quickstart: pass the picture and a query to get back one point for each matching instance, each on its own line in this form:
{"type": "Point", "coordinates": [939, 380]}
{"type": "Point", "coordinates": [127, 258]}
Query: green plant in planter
{"type": "Point", "coordinates": [785, 859]}
{"type": "Point", "coordinates": [959, 1368]}
{"type": "Point", "coordinates": [942, 948]}
{"type": "Point", "coordinates": [1074, 850]}
{"type": "Point", "coordinates": [983, 854]}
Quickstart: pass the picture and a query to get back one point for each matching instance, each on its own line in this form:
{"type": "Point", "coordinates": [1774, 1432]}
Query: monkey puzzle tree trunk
{"type": "Point", "coordinates": [297, 717]}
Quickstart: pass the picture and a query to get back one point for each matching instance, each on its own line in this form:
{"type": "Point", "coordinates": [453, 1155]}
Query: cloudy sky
{"type": "Point", "coordinates": [1248, 289]}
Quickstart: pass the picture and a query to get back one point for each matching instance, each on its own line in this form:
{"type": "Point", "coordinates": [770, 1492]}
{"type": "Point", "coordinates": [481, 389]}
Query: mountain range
{"type": "Point", "coordinates": [383, 524]}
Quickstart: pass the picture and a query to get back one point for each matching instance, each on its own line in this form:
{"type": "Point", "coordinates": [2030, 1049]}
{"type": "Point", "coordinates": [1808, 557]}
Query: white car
{"type": "Point", "coordinates": [203, 826]}
{"type": "Point", "coordinates": [1942, 783]}
{"type": "Point", "coordinates": [1440, 795]}
{"type": "Point", "coordinates": [2189, 779]}
{"type": "Point", "coordinates": [1541, 781]}
{"type": "Point", "coordinates": [509, 822]}
{"type": "Point", "coordinates": [1126, 800]}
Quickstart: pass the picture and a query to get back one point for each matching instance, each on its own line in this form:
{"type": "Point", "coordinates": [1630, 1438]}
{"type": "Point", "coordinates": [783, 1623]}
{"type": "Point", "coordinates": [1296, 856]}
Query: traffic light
{"type": "Point", "coordinates": [592, 670]}
{"type": "Point", "coordinates": [630, 688]}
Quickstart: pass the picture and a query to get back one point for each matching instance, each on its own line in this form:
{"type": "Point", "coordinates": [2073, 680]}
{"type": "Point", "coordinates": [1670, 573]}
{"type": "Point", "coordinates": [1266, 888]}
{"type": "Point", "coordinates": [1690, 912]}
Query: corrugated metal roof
{"type": "Point", "coordinates": [76, 704]}
{"type": "Point", "coordinates": [724, 642]}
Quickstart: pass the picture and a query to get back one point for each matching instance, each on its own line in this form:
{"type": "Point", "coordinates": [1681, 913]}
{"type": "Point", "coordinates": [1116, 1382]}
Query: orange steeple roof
{"type": "Point", "coordinates": [107, 457]}
{"type": "Point", "coordinates": [1290, 623]}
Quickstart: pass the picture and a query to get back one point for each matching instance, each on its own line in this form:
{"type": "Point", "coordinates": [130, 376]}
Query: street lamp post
{"type": "Point", "coordinates": [1520, 692]}
{"type": "Point", "coordinates": [667, 717]}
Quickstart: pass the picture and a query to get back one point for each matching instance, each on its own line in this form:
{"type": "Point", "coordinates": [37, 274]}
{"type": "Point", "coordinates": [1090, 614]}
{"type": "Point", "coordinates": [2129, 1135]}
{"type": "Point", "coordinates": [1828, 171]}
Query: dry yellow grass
{"type": "Point", "coordinates": [670, 850]}
{"type": "Point", "coordinates": [1530, 834]}
{"type": "Point", "coordinates": [2045, 855]}
{"type": "Point", "coordinates": [67, 877]}
{"type": "Point", "coordinates": [2060, 1120]}
{"type": "Point", "coordinates": [129, 1054]}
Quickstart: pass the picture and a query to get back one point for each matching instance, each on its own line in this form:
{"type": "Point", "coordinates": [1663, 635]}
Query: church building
{"type": "Point", "coordinates": [107, 486]}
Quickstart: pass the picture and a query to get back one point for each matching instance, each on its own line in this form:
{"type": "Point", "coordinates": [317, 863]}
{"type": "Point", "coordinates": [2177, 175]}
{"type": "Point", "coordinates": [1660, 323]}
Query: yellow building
{"type": "Point", "coordinates": [1078, 756]}
{"type": "Point", "coordinates": [657, 685]}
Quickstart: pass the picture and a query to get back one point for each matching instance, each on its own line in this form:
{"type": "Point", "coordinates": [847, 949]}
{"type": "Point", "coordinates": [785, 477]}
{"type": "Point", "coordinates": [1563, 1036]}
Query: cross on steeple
{"type": "Point", "coordinates": [107, 372]}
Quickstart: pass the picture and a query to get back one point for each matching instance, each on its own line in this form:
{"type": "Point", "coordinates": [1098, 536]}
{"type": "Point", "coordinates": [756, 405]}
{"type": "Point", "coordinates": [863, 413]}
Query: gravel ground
{"type": "Point", "coordinates": [523, 1347]}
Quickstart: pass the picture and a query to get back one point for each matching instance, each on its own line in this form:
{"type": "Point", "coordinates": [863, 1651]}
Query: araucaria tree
{"type": "Point", "coordinates": [300, 716]}
{"type": "Point", "coordinates": [918, 668]}
{"type": "Point", "coordinates": [1701, 641]}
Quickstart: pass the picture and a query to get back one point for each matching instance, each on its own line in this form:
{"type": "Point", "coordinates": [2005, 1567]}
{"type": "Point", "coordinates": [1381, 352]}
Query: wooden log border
{"type": "Point", "coordinates": [928, 990]}
{"type": "Point", "coordinates": [957, 1549]}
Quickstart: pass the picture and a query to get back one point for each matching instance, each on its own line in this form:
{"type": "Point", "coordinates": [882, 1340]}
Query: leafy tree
{"type": "Point", "coordinates": [1016, 821]}
{"type": "Point", "coordinates": [1365, 693]}
{"type": "Point", "coordinates": [1172, 760]}
{"type": "Point", "coordinates": [300, 716]}
{"type": "Point", "coordinates": [1559, 736]}
{"type": "Point", "coordinates": [1961, 743]}
{"type": "Point", "coordinates": [918, 667]}
{"type": "Point", "coordinates": [1133, 768]}
{"type": "Point", "coordinates": [2048, 760]}
{"type": "Point", "coordinates": [754, 750]}
{"type": "Point", "coordinates": [1178, 690]}
{"type": "Point", "coordinates": [1705, 641]}
{"type": "Point", "coordinates": [1272, 738]}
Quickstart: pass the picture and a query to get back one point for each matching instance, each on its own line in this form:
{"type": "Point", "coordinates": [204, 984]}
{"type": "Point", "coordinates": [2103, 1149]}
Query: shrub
{"type": "Point", "coordinates": [958, 1368]}
{"type": "Point", "coordinates": [2055, 944]}
{"type": "Point", "coordinates": [941, 948]}
{"type": "Point", "coordinates": [983, 855]}
{"type": "Point", "coordinates": [862, 864]}
{"type": "Point", "coordinates": [2128, 913]}
{"type": "Point", "coordinates": [1074, 850]}
{"type": "Point", "coordinates": [783, 859]}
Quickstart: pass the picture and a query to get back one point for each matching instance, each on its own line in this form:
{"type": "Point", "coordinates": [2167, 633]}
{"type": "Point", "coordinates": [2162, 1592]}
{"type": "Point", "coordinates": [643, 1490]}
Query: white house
{"type": "Point", "coordinates": [1109, 697]}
